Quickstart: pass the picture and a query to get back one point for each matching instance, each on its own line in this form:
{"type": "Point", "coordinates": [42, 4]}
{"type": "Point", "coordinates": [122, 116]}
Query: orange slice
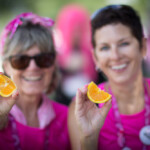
{"type": "Point", "coordinates": [97, 95]}
{"type": "Point", "coordinates": [7, 86]}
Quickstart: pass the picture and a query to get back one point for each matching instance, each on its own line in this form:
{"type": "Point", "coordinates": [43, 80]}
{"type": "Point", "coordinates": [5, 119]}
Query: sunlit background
{"type": "Point", "coordinates": [50, 8]}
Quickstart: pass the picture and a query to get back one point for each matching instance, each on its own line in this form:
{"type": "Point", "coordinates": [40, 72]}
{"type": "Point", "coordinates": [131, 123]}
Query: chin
{"type": "Point", "coordinates": [33, 92]}
{"type": "Point", "coordinates": [123, 81]}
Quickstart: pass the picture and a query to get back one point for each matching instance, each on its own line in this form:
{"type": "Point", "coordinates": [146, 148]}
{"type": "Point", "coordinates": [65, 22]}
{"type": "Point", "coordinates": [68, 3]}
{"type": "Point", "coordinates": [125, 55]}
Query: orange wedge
{"type": "Point", "coordinates": [7, 86]}
{"type": "Point", "coordinates": [97, 95]}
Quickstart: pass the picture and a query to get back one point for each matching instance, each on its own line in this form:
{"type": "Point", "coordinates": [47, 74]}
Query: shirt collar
{"type": "Point", "coordinates": [45, 113]}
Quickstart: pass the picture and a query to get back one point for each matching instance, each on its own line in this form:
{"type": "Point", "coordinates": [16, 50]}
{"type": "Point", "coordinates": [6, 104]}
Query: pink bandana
{"type": "Point", "coordinates": [12, 26]}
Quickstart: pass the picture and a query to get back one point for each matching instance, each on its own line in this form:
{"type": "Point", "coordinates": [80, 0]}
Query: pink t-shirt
{"type": "Point", "coordinates": [132, 125]}
{"type": "Point", "coordinates": [32, 138]}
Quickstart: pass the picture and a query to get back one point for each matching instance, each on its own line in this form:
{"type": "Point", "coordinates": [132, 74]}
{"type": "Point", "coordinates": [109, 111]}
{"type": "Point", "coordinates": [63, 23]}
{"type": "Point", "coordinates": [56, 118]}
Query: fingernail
{"type": "Point", "coordinates": [79, 92]}
{"type": "Point", "coordinates": [86, 86]}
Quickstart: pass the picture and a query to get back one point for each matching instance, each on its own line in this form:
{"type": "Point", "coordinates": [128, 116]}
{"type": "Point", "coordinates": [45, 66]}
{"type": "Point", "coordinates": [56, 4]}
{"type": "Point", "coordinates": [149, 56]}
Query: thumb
{"type": "Point", "coordinates": [15, 94]}
{"type": "Point", "coordinates": [13, 99]}
{"type": "Point", "coordinates": [105, 109]}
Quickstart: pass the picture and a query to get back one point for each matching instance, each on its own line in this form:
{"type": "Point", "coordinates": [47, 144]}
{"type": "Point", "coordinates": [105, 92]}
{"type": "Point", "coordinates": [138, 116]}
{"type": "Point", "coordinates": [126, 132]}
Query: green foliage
{"type": "Point", "coordinates": [10, 5]}
{"type": "Point", "coordinates": [51, 8]}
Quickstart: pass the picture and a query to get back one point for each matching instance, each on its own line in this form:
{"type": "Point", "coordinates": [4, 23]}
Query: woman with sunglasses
{"type": "Point", "coordinates": [119, 47]}
{"type": "Point", "coordinates": [31, 120]}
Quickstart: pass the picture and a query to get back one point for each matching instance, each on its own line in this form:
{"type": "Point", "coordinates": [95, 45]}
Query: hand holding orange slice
{"type": "Point", "coordinates": [97, 95]}
{"type": "Point", "coordinates": [7, 86]}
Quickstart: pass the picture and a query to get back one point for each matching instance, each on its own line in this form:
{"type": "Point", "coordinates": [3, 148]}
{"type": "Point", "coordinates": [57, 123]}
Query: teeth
{"type": "Point", "coordinates": [32, 78]}
{"type": "Point", "coordinates": [119, 67]}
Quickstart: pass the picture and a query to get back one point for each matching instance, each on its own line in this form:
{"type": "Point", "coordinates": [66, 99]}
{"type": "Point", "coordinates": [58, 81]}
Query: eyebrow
{"type": "Point", "coordinates": [122, 39]}
{"type": "Point", "coordinates": [126, 38]}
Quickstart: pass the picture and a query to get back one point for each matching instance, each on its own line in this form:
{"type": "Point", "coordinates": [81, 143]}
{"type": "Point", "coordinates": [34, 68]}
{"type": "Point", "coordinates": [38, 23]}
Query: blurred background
{"type": "Point", "coordinates": [50, 8]}
{"type": "Point", "coordinates": [67, 22]}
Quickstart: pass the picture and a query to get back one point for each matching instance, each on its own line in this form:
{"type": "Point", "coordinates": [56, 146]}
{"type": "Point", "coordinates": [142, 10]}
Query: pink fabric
{"type": "Point", "coordinates": [33, 138]}
{"type": "Point", "coordinates": [12, 26]}
{"type": "Point", "coordinates": [72, 19]}
{"type": "Point", "coordinates": [45, 113]}
{"type": "Point", "coordinates": [132, 125]}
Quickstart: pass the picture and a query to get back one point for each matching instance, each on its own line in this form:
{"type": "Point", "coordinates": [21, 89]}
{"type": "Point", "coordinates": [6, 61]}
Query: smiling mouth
{"type": "Point", "coordinates": [37, 78]}
{"type": "Point", "coordinates": [119, 67]}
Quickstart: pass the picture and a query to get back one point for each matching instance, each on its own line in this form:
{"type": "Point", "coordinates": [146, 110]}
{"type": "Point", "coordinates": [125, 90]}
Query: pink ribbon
{"type": "Point", "coordinates": [12, 26]}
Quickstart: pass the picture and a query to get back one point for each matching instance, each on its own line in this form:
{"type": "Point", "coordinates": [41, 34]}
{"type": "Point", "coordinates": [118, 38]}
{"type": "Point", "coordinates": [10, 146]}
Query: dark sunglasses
{"type": "Point", "coordinates": [42, 60]}
{"type": "Point", "coordinates": [105, 8]}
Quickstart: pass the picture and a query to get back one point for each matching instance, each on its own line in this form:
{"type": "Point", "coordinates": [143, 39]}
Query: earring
{"type": "Point", "coordinates": [97, 69]}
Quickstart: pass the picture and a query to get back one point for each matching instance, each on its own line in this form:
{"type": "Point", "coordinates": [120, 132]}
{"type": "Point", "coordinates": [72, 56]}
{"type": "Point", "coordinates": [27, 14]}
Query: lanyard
{"type": "Point", "coordinates": [16, 138]}
{"type": "Point", "coordinates": [121, 138]}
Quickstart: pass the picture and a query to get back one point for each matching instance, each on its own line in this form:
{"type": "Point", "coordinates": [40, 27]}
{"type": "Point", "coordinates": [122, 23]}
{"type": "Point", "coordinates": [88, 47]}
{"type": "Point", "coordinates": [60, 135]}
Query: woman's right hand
{"type": "Point", "coordinates": [89, 117]}
{"type": "Point", "coordinates": [6, 104]}
{"type": "Point", "coordinates": [85, 121]}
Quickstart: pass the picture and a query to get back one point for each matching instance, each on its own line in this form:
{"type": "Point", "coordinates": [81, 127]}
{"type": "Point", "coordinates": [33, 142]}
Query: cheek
{"type": "Point", "coordinates": [16, 76]}
{"type": "Point", "coordinates": [49, 74]}
{"type": "Point", "coordinates": [7, 68]}
{"type": "Point", "coordinates": [101, 59]}
{"type": "Point", "coordinates": [12, 72]}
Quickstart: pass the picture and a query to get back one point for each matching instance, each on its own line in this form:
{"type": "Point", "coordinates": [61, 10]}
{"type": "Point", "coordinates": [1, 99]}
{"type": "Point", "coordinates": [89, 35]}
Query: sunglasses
{"type": "Point", "coordinates": [43, 60]}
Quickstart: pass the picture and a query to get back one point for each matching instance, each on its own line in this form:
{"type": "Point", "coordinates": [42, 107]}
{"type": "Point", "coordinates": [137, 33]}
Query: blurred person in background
{"type": "Point", "coordinates": [119, 49]}
{"type": "Point", "coordinates": [73, 45]}
{"type": "Point", "coordinates": [31, 120]}
{"type": "Point", "coordinates": [146, 61]}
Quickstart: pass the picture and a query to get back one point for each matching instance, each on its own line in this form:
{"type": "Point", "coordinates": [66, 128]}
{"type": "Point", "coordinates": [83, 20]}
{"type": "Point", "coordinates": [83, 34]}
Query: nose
{"type": "Point", "coordinates": [115, 53]}
{"type": "Point", "coordinates": [32, 65]}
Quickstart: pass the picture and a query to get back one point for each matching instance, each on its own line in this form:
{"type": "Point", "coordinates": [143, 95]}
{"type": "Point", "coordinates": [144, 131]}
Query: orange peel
{"type": "Point", "coordinates": [97, 95]}
{"type": "Point", "coordinates": [7, 86]}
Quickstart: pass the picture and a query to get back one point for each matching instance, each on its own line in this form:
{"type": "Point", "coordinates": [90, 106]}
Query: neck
{"type": "Point", "coordinates": [29, 106]}
{"type": "Point", "coordinates": [129, 96]}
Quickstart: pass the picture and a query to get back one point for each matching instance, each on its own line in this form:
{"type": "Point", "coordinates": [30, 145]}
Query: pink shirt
{"type": "Point", "coordinates": [32, 138]}
{"type": "Point", "coordinates": [132, 125]}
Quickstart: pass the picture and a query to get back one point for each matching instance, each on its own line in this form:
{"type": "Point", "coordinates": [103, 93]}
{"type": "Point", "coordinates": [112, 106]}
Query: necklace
{"type": "Point", "coordinates": [16, 139]}
{"type": "Point", "coordinates": [145, 131]}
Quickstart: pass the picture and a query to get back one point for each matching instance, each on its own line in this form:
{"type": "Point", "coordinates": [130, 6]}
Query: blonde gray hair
{"type": "Point", "coordinates": [27, 36]}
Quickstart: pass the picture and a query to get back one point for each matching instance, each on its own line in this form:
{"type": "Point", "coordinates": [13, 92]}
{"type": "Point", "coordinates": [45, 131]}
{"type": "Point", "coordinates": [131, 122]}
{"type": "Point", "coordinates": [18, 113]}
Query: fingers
{"type": "Point", "coordinates": [12, 99]}
{"type": "Point", "coordinates": [106, 107]}
{"type": "Point", "coordinates": [15, 94]}
{"type": "Point", "coordinates": [84, 89]}
{"type": "Point", "coordinates": [79, 100]}
{"type": "Point", "coordinates": [81, 95]}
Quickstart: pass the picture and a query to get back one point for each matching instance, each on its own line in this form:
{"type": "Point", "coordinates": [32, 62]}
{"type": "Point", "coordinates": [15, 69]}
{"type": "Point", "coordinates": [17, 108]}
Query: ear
{"type": "Point", "coordinates": [6, 68]}
{"type": "Point", "coordinates": [144, 47]}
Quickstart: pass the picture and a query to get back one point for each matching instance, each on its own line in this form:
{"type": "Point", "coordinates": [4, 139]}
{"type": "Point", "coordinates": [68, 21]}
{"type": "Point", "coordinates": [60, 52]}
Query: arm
{"type": "Point", "coordinates": [77, 141]}
{"type": "Point", "coordinates": [85, 121]}
{"type": "Point", "coordinates": [73, 130]}
{"type": "Point", "coordinates": [5, 107]}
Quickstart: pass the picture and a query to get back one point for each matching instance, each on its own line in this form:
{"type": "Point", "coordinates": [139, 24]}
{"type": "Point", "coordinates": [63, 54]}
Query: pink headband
{"type": "Point", "coordinates": [12, 26]}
